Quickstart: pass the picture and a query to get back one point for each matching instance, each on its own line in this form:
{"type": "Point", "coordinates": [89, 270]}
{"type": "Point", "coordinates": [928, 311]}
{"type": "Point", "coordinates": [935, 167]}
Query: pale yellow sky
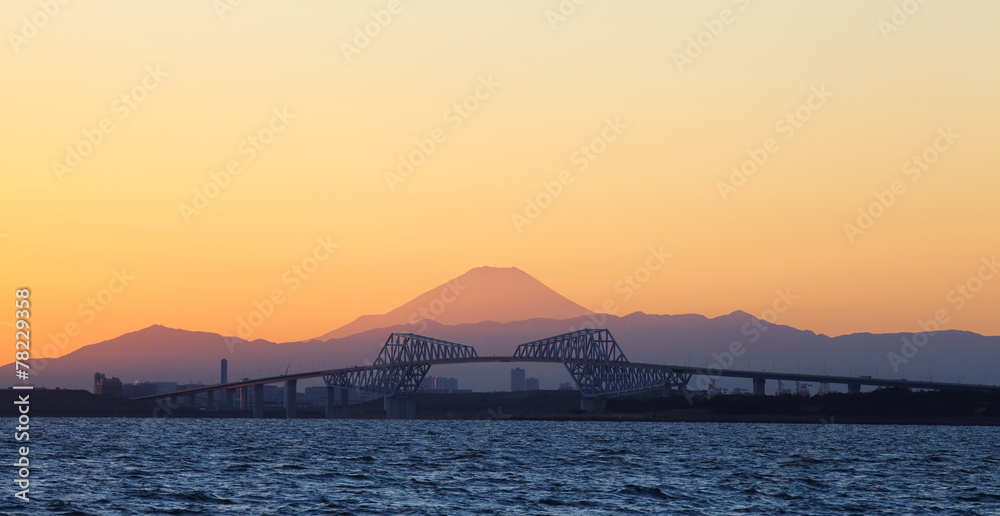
{"type": "Point", "coordinates": [266, 89]}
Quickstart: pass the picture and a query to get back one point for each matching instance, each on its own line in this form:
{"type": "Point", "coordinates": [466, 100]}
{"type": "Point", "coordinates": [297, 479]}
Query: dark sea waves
{"type": "Point", "coordinates": [188, 466]}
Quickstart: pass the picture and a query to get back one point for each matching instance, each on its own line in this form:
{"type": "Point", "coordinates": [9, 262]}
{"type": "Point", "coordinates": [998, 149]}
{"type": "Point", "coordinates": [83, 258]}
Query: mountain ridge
{"type": "Point", "coordinates": [501, 294]}
{"type": "Point", "coordinates": [159, 353]}
{"type": "Point", "coordinates": [494, 309]}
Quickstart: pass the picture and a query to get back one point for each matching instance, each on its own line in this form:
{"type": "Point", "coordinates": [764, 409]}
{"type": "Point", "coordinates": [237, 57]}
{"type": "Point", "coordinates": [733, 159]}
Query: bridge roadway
{"type": "Point", "coordinates": [854, 383]}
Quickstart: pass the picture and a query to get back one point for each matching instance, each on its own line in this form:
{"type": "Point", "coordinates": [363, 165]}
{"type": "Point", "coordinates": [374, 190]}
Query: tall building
{"type": "Point", "coordinates": [516, 379]}
{"type": "Point", "coordinates": [531, 384]}
{"type": "Point", "coordinates": [104, 386]}
{"type": "Point", "coordinates": [225, 371]}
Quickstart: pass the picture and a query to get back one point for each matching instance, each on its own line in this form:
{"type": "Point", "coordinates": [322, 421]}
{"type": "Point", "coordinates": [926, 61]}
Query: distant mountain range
{"type": "Point", "coordinates": [494, 310]}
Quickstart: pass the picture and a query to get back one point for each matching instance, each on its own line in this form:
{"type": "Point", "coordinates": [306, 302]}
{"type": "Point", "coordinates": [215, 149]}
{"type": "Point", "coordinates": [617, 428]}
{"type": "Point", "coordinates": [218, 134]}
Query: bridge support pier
{"type": "Point", "coordinates": [258, 401]}
{"type": "Point", "coordinates": [853, 388]}
{"type": "Point", "coordinates": [244, 398]}
{"type": "Point", "coordinates": [400, 408]}
{"type": "Point", "coordinates": [758, 386]}
{"type": "Point", "coordinates": [173, 400]}
{"type": "Point", "coordinates": [674, 390]}
{"type": "Point", "coordinates": [593, 404]}
{"type": "Point", "coordinates": [210, 399]}
{"type": "Point", "coordinates": [336, 402]}
{"type": "Point", "coordinates": [290, 398]}
{"type": "Point", "coordinates": [227, 398]}
{"type": "Point", "coordinates": [331, 397]}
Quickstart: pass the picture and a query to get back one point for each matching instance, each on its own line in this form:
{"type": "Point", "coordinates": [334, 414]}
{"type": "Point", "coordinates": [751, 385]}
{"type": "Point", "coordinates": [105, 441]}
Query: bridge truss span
{"type": "Point", "coordinates": [582, 345]}
{"type": "Point", "coordinates": [592, 357]}
{"type": "Point", "coordinates": [401, 365]}
{"type": "Point", "coordinates": [410, 347]}
{"type": "Point", "coordinates": [599, 366]}
{"type": "Point", "coordinates": [618, 379]}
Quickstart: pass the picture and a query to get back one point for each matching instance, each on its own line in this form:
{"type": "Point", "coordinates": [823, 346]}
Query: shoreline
{"type": "Point", "coordinates": [875, 408]}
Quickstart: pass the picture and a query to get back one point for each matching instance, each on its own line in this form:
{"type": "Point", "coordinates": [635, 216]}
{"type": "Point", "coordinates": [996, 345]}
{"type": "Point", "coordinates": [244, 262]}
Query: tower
{"type": "Point", "coordinates": [516, 379]}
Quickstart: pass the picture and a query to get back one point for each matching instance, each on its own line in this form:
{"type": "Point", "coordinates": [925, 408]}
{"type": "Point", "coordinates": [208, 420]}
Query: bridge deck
{"type": "Point", "coordinates": [700, 371]}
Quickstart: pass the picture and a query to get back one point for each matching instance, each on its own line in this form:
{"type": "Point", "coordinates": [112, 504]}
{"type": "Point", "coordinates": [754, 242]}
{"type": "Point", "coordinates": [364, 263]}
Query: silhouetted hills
{"type": "Point", "coordinates": [164, 354]}
{"type": "Point", "coordinates": [494, 309]}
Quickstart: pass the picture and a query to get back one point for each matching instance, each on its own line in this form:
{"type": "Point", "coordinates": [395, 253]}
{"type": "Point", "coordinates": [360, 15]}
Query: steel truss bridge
{"type": "Point", "coordinates": [592, 357]}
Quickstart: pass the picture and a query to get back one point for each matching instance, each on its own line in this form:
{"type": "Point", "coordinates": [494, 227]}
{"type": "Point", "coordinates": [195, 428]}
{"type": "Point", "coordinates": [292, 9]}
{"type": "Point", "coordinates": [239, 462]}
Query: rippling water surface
{"type": "Point", "coordinates": [188, 466]}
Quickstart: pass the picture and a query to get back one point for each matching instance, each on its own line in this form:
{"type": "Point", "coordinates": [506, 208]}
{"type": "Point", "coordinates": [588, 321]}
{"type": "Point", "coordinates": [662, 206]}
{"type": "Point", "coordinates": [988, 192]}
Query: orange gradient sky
{"type": "Point", "coordinates": [213, 80]}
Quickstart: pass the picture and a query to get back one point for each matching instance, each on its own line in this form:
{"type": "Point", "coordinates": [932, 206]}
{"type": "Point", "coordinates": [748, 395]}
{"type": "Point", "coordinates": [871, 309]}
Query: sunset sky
{"type": "Point", "coordinates": [397, 161]}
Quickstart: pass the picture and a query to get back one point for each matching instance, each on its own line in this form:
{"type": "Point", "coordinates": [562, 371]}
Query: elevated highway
{"type": "Point", "coordinates": [593, 359]}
